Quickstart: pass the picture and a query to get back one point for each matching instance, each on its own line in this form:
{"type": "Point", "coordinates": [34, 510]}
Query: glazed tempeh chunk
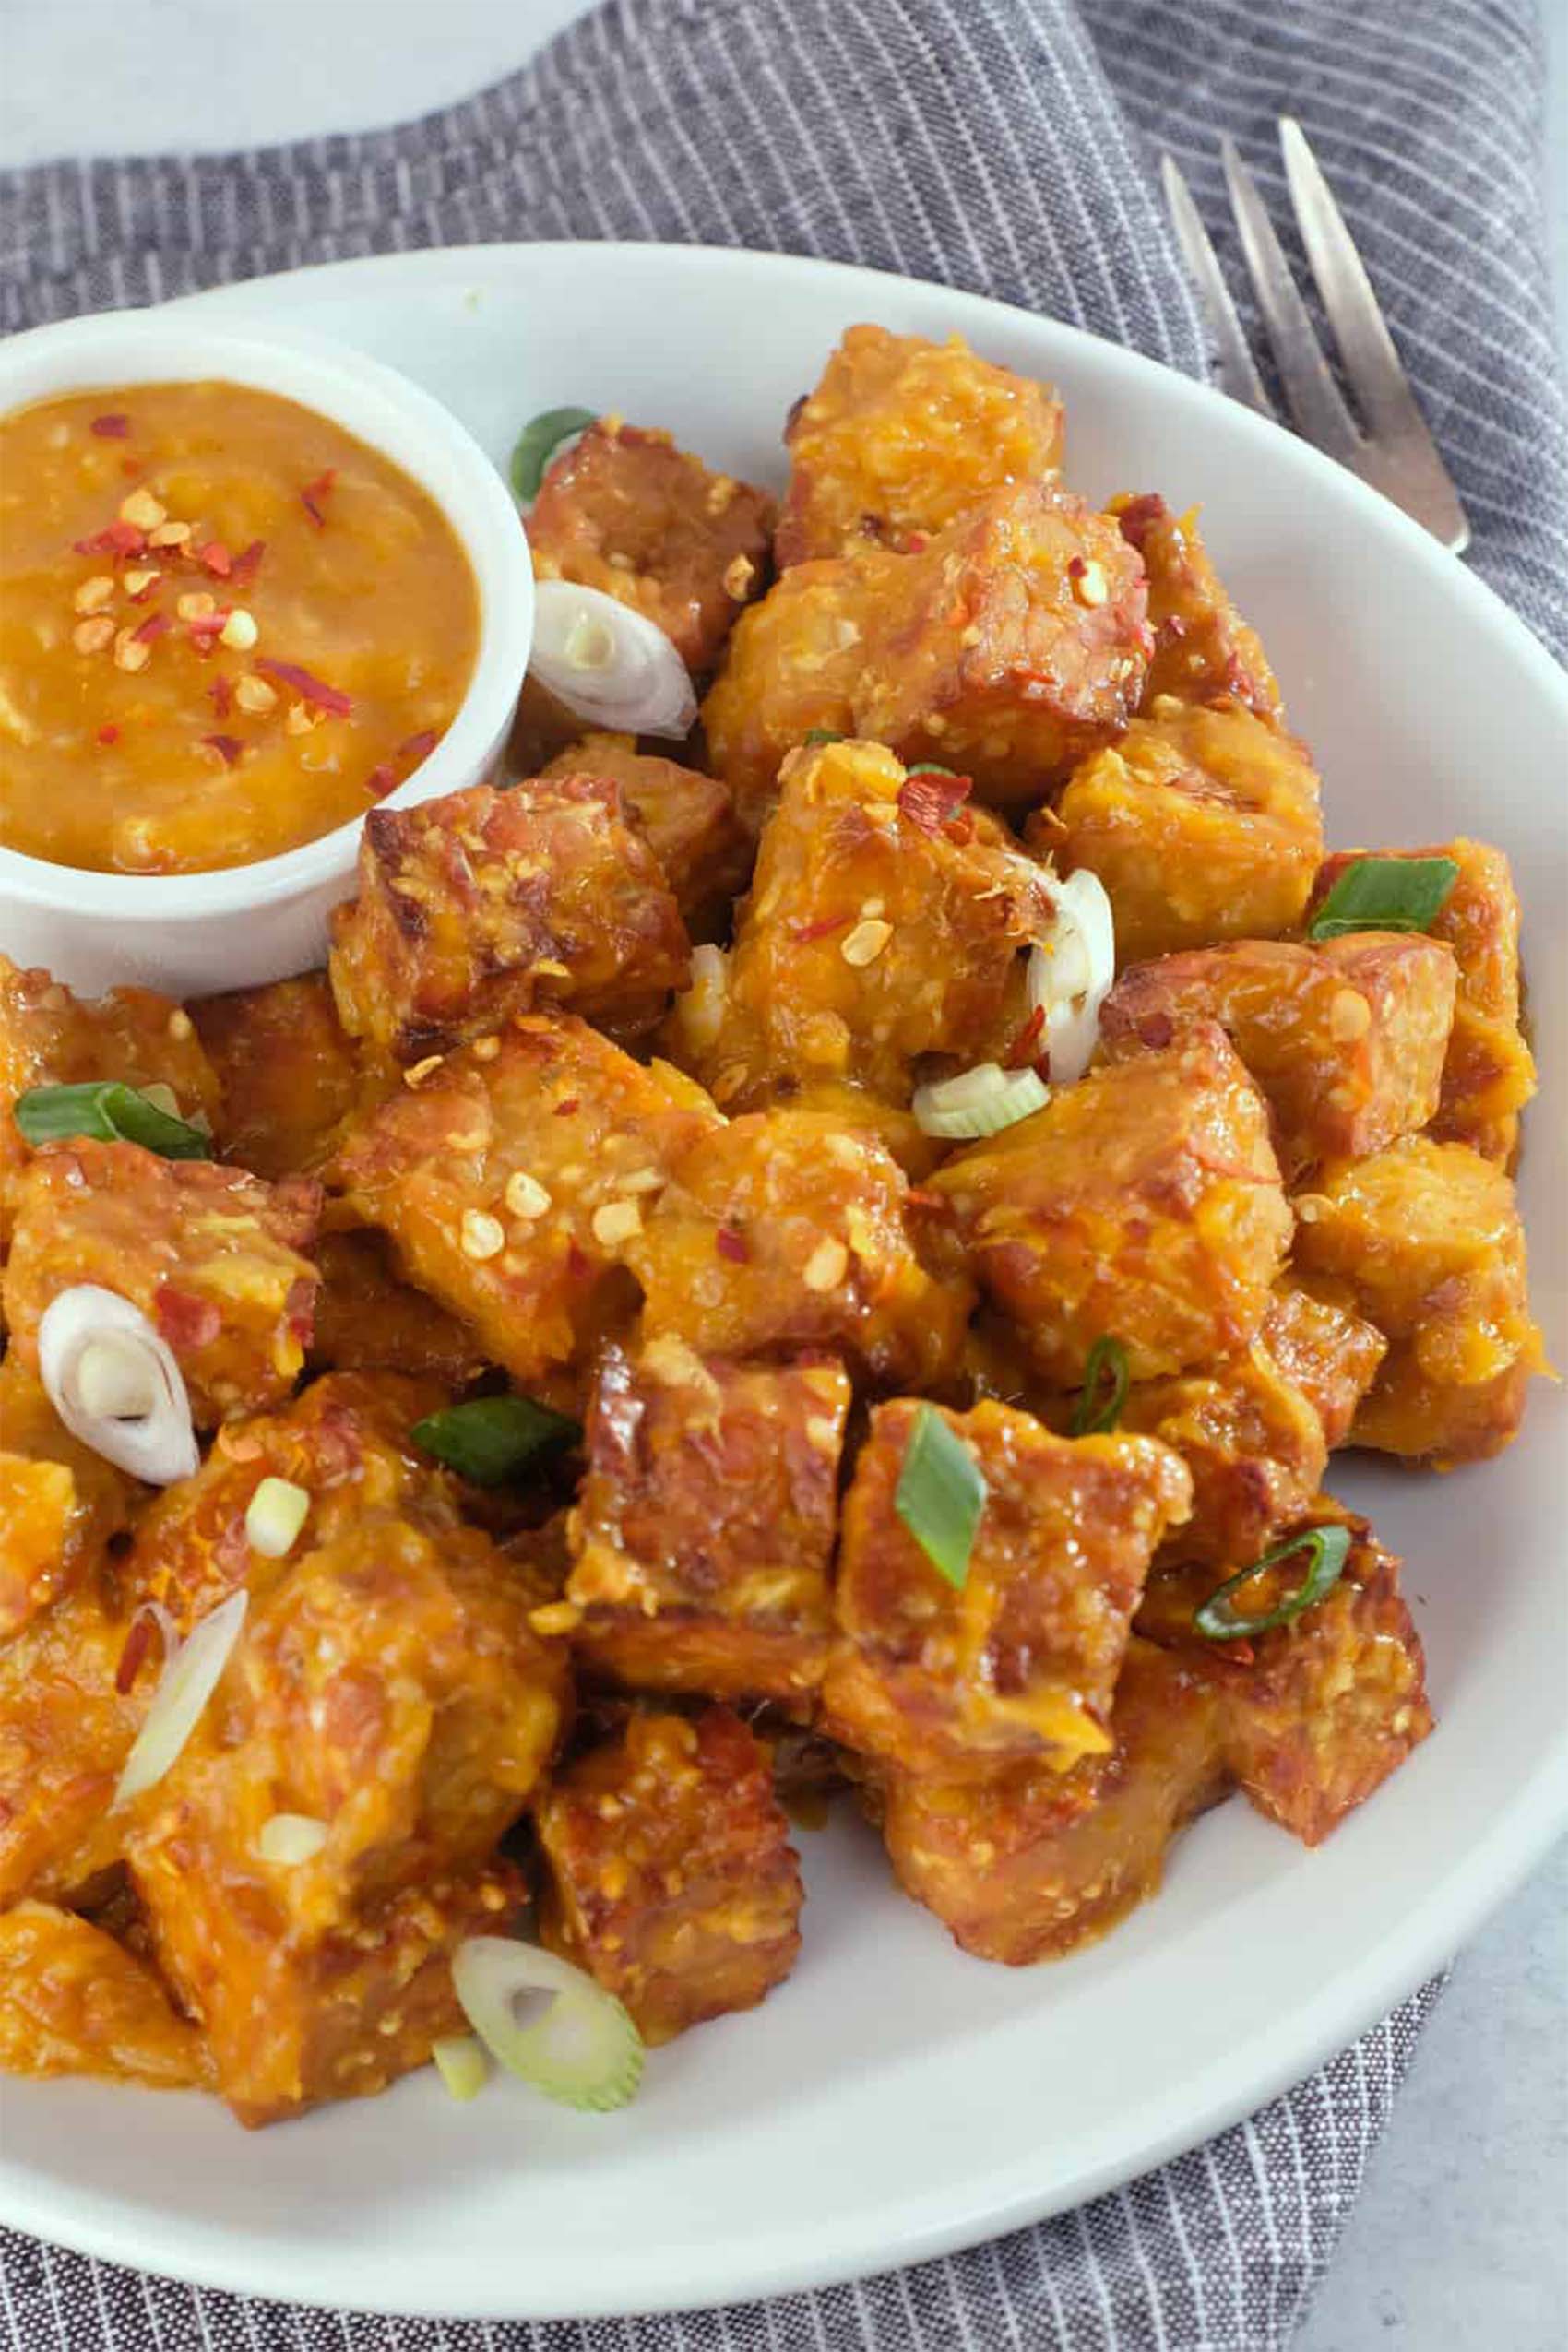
{"type": "Point", "coordinates": [1202, 824]}
{"type": "Point", "coordinates": [60, 1504]}
{"type": "Point", "coordinates": [50, 1037]}
{"type": "Point", "coordinates": [512, 1179]}
{"type": "Point", "coordinates": [783, 1231]}
{"type": "Point", "coordinates": [368, 1320]}
{"type": "Point", "coordinates": [704, 1527]}
{"type": "Point", "coordinates": [629, 514]}
{"type": "Point", "coordinates": [887, 921]}
{"type": "Point", "coordinates": [1315, 1713]}
{"type": "Point", "coordinates": [670, 1872]}
{"type": "Point", "coordinates": [1030, 1863]}
{"type": "Point", "coordinates": [210, 1255]}
{"type": "Point", "coordinates": [1202, 648]}
{"type": "Point", "coordinates": [289, 1073]}
{"type": "Point", "coordinates": [689, 820]}
{"type": "Point", "coordinates": [1323, 1348]}
{"type": "Point", "coordinates": [1253, 1443]}
{"type": "Point", "coordinates": [1010, 647]}
{"type": "Point", "coordinates": [487, 904]}
{"type": "Point", "coordinates": [1428, 1240]}
{"type": "Point", "coordinates": [345, 1442]}
{"type": "Point", "coordinates": [1144, 1203]}
{"type": "Point", "coordinates": [1346, 1040]}
{"type": "Point", "coordinates": [1489, 1074]}
{"type": "Point", "coordinates": [1022, 1661]}
{"type": "Point", "coordinates": [901, 436]}
{"type": "Point", "coordinates": [66, 1730]}
{"type": "Point", "coordinates": [74, 2002]}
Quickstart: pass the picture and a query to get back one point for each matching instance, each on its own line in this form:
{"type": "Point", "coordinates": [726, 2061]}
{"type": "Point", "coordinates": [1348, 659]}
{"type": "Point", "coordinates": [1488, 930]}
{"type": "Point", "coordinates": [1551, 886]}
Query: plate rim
{"type": "Point", "coordinates": [1453, 1905]}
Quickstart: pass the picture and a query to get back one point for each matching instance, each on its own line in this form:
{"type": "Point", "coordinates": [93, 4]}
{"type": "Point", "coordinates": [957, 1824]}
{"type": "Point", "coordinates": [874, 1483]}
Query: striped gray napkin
{"type": "Point", "coordinates": [1003, 146]}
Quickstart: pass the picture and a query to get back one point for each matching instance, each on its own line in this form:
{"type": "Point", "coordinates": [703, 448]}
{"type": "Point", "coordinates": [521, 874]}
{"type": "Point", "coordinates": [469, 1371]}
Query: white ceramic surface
{"type": "Point", "coordinates": [194, 934]}
{"type": "Point", "coordinates": [895, 2099]}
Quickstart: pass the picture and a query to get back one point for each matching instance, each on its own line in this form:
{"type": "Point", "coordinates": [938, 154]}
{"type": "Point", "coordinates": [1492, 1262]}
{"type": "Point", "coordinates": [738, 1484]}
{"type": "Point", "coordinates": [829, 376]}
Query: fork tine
{"type": "Point", "coordinates": [1236, 370]}
{"type": "Point", "coordinates": [1372, 360]}
{"type": "Point", "coordinates": [1315, 397]}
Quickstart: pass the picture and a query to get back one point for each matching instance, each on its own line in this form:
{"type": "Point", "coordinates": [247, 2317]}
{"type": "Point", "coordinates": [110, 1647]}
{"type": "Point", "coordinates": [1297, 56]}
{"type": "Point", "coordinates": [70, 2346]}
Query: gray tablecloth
{"type": "Point", "coordinates": [1003, 146]}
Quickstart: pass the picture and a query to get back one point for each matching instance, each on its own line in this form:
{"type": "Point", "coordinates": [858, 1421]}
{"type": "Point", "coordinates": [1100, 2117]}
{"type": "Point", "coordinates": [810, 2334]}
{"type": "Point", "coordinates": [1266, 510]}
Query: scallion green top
{"type": "Point", "coordinates": [941, 1494]}
{"type": "Point", "coordinates": [1385, 894]}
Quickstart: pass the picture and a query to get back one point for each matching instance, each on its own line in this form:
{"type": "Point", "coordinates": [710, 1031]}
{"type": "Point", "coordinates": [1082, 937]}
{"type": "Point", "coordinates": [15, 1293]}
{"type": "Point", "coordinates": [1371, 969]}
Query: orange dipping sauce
{"type": "Point", "coordinates": [226, 627]}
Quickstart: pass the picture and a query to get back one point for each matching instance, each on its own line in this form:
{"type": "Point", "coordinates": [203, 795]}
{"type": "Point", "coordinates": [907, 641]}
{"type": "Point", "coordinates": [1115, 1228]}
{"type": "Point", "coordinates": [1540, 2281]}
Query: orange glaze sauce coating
{"type": "Point", "coordinates": [226, 627]}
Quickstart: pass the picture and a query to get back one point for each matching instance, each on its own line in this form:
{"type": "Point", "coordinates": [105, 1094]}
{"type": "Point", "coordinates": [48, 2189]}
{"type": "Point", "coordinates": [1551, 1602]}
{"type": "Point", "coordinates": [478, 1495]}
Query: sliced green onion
{"type": "Point", "coordinates": [291, 1839]}
{"type": "Point", "coordinates": [821, 735]}
{"type": "Point", "coordinates": [584, 2051]}
{"type": "Point", "coordinates": [109, 1112]}
{"type": "Point", "coordinates": [1385, 894]}
{"type": "Point", "coordinates": [190, 1678]}
{"type": "Point", "coordinates": [1329, 1547]}
{"type": "Point", "coordinates": [980, 1102]}
{"type": "Point", "coordinates": [494, 1439]}
{"type": "Point", "coordinates": [462, 2065]}
{"type": "Point", "coordinates": [1105, 1388]}
{"type": "Point", "coordinates": [941, 1494]}
{"type": "Point", "coordinates": [537, 442]}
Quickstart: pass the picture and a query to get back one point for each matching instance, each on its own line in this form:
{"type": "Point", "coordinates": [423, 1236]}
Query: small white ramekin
{"type": "Point", "coordinates": [196, 933]}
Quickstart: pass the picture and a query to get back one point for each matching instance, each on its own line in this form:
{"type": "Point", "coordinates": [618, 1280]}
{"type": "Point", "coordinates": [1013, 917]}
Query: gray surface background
{"type": "Point", "coordinates": [1460, 2240]}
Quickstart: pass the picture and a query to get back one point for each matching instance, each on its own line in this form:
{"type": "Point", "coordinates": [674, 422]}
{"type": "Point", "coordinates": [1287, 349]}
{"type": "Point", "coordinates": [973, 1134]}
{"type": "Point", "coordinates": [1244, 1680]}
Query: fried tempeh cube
{"type": "Point", "coordinates": [670, 1872]}
{"type": "Point", "coordinates": [689, 819]}
{"type": "Point", "coordinates": [1346, 1040]}
{"type": "Point", "coordinates": [1315, 1713]}
{"type": "Point", "coordinates": [1203, 825]}
{"type": "Point", "coordinates": [1022, 1661]}
{"type": "Point", "coordinates": [1143, 1203]}
{"type": "Point", "coordinates": [1029, 1863]}
{"type": "Point", "coordinates": [886, 921]}
{"type": "Point", "coordinates": [784, 1230]}
{"type": "Point", "coordinates": [1253, 1443]}
{"type": "Point", "coordinates": [386, 1689]}
{"type": "Point", "coordinates": [60, 1504]}
{"type": "Point", "coordinates": [704, 1532]}
{"type": "Point", "coordinates": [74, 2002]}
{"type": "Point", "coordinates": [50, 1038]}
{"type": "Point", "coordinates": [1323, 1348]}
{"type": "Point", "coordinates": [65, 1731]}
{"type": "Point", "coordinates": [486, 903]}
{"type": "Point", "coordinates": [289, 1073]}
{"type": "Point", "coordinates": [629, 514]}
{"type": "Point", "coordinates": [1426, 1237]}
{"type": "Point", "coordinates": [1012, 646]}
{"type": "Point", "coordinates": [211, 1256]}
{"type": "Point", "coordinates": [1489, 1074]}
{"type": "Point", "coordinates": [345, 1442]}
{"type": "Point", "coordinates": [512, 1179]}
{"type": "Point", "coordinates": [901, 436]}
{"type": "Point", "coordinates": [1202, 648]}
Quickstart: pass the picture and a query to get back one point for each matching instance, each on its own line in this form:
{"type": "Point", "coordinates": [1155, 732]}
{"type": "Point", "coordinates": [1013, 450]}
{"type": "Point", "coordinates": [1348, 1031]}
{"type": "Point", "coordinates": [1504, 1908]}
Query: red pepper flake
{"type": "Point", "coordinates": [381, 781]}
{"type": "Point", "coordinates": [153, 628]}
{"type": "Point", "coordinates": [568, 1104]}
{"type": "Point", "coordinates": [820, 929]}
{"type": "Point", "coordinates": [315, 492]}
{"type": "Point", "coordinates": [222, 693]}
{"type": "Point", "coordinates": [310, 689]}
{"type": "Point", "coordinates": [420, 746]}
{"type": "Point", "coordinates": [228, 747]}
{"type": "Point", "coordinates": [215, 558]}
{"type": "Point", "coordinates": [1137, 517]}
{"type": "Point", "coordinates": [151, 588]}
{"type": "Point", "coordinates": [185, 1321]}
{"type": "Point", "coordinates": [247, 563]}
{"type": "Point", "coordinates": [578, 1262]}
{"type": "Point", "coordinates": [138, 1640]}
{"type": "Point", "coordinates": [113, 427]}
{"type": "Point", "coordinates": [915, 1198]}
{"type": "Point", "coordinates": [1025, 1047]}
{"type": "Point", "coordinates": [117, 538]}
{"type": "Point", "coordinates": [109, 734]}
{"type": "Point", "coordinates": [930, 802]}
{"type": "Point", "coordinates": [731, 1246]}
{"type": "Point", "coordinates": [917, 543]}
{"type": "Point", "coordinates": [299, 1310]}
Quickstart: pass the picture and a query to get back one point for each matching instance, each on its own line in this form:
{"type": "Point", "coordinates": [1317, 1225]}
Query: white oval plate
{"type": "Point", "coordinates": [896, 2100]}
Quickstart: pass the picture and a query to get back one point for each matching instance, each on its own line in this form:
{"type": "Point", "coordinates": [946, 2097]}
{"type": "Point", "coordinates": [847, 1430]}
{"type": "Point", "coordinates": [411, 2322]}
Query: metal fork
{"type": "Point", "coordinates": [1392, 448]}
